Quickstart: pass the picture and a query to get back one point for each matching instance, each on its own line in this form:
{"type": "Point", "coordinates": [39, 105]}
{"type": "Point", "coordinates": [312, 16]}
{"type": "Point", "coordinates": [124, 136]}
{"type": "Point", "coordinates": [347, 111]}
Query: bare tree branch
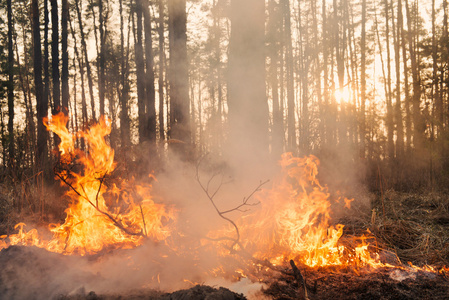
{"type": "Point", "coordinates": [211, 196]}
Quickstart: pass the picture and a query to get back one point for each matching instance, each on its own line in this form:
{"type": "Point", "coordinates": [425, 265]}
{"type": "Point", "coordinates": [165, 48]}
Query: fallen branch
{"type": "Point", "coordinates": [299, 278]}
{"type": "Point", "coordinates": [211, 195]}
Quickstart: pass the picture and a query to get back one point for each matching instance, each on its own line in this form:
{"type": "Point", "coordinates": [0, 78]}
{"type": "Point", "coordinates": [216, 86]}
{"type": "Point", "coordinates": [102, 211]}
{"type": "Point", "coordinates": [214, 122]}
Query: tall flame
{"type": "Point", "coordinates": [100, 215]}
{"type": "Point", "coordinates": [294, 221]}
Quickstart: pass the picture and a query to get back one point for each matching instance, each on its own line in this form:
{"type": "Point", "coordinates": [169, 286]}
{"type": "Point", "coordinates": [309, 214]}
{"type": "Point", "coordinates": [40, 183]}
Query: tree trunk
{"type": "Point", "coordinates": [389, 119]}
{"type": "Point", "coordinates": [55, 58]}
{"type": "Point", "coordinates": [65, 56]}
{"type": "Point", "coordinates": [291, 120]}
{"type": "Point", "coordinates": [10, 88]}
{"type": "Point", "coordinates": [277, 138]}
{"type": "Point", "coordinates": [46, 55]}
{"type": "Point", "coordinates": [363, 84]}
{"type": "Point", "coordinates": [179, 79]}
{"type": "Point", "coordinates": [398, 111]}
{"type": "Point", "coordinates": [140, 70]}
{"type": "Point", "coordinates": [125, 131]}
{"type": "Point", "coordinates": [149, 86]}
{"type": "Point", "coordinates": [101, 63]}
{"type": "Point", "coordinates": [86, 59]}
{"type": "Point", "coordinates": [418, 124]}
{"type": "Point", "coordinates": [408, 125]}
{"type": "Point", "coordinates": [161, 70]}
{"type": "Point", "coordinates": [41, 104]}
{"type": "Point", "coordinates": [79, 59]}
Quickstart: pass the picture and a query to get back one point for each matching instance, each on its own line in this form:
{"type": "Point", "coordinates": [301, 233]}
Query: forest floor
{"type": "Point", "coordinates": [409, 227]}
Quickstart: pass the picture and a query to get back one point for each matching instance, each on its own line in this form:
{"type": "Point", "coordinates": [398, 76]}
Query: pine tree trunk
{"type": "Point", "coordinates": [101, 63]}
{"type": "Point", "coordinates": [408, 125]}
{"type": "Point", "coordinates": [65, 56]}
{"type": "Point", "coordinates": [273, 38]}
{"type": "Point", "coordinates": [41, 104]}
{"type": "Point", "coordinates": [86, 59]}
{"type": "Point", "coordinates": [149, 86]}
{"type": "Point", "coordinates": [398, 107]}
{"type": "Point", "coordinates": [55, 58]}
{"type": "Point", "coordinates": [10, 88]}
{"type": "Point", "coordinates": [161, 71]}
{"type": "Point", "coordinates": [389, 120]}
{"type": "Point", "coordinates": [418, 124]}
{"type": "Point", "coordinates": [179, 79]}
{"type": "Point", "coordinates": [291, 120]}
{"type": "Point", "coordinates": [124, 91]}
{"type": "Point", "coordinates": [140, 70]}
{"type": "Point", "coordinates": [363, 84]}
{"type": "Point", "coordinates": [79, 59]}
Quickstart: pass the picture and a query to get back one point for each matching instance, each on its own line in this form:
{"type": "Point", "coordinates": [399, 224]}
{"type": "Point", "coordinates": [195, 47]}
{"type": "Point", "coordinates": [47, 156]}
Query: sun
{"type": "Point", "coordinates": [342, 95]}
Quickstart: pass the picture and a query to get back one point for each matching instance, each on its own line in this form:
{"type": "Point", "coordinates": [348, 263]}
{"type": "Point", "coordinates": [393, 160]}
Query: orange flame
{"type": "Point", "coordinates": [294, 221]}
{"type": "Point", "coordinates": [93, 223]}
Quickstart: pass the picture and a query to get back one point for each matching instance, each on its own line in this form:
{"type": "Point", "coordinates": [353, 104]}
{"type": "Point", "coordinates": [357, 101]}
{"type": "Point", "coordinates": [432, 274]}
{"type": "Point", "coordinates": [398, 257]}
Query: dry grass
{"type": "Point", "coordinates": [415, 226]}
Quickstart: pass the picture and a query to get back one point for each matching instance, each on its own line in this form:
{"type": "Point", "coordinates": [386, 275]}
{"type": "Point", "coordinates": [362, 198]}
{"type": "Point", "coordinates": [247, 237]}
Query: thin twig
{"type": "Point", "coordinates": [143, 220]}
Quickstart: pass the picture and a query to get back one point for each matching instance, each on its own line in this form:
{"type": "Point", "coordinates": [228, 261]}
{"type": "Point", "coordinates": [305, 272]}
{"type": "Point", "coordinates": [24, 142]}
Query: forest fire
{"type": "Point", "coordinates": [294, 222]}
{"type": "Point", "coordinates": [291, 220]}
{"type": "Point", "coordinates": [94, 222]}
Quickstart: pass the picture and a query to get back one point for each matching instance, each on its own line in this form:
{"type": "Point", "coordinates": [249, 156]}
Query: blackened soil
{"type": "Point", "coordinates": [395, 284]}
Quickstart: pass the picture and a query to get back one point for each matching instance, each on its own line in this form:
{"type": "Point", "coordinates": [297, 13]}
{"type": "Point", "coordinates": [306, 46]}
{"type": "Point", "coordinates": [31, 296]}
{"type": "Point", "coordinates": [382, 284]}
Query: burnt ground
{"type": "Point", "coordinates": [411, 227]}
{"type": "Point", "coordinates": [33, 273]}
{"type": "Point", "coordinates": [375, 284]}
